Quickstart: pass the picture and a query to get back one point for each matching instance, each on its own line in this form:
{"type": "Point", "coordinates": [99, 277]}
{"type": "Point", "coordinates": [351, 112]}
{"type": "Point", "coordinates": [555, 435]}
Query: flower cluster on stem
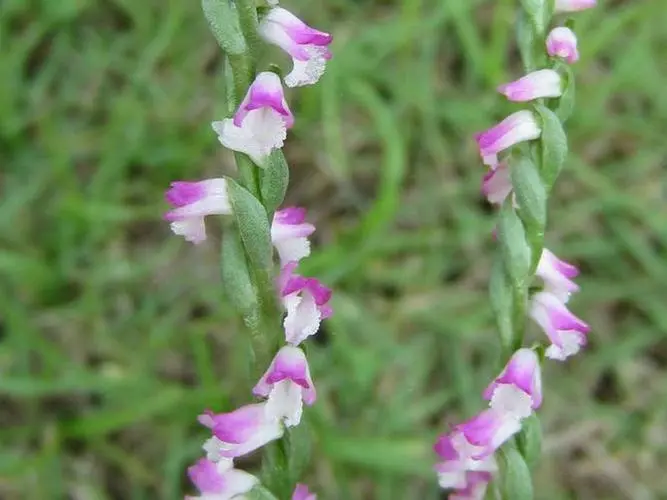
{"type": "Point", "coordinates": [524, 154]}
{"type": "Point", "coordinates": [277, 304]}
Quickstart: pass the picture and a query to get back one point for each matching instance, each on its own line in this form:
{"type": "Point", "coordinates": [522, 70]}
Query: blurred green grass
{"type": "Point", "coordinates": [115, 334]}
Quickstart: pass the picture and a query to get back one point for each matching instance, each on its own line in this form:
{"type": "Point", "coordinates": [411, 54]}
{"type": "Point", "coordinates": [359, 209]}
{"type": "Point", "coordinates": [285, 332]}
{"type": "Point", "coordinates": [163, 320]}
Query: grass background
{"type": "Point", "coordinates": [115, 334]}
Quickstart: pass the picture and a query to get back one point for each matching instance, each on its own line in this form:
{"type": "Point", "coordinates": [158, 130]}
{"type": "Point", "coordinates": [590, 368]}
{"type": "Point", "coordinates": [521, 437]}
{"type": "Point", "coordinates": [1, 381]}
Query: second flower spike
{"type": "Point", "coordinates": [260, 123]}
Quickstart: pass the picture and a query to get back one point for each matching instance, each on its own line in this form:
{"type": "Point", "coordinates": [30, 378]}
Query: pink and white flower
{"type": "Point", "coordinates": [308, 47]}
{"type": "Point", "coordinates": [517, 391]}
{"type": "Point", "coordinates": [566, 331]}
{"type": "Point", "coordinates": [557, 275]}
{"type": "Point", "coordinates": [457, 454]}
{"type": "Point", "coordinates": [517, 127]}
{"type": "Point", "coordinates": [192, 201]}
{"type": "Point", "coordinates": [573, 5]}
{"type": "Point", "coordinates": [260, 124]}
{"type": "Point", "coordinates": [489, 430]}
{"type": "Point", "coordinates": [240, 431]}
{"type": "Point", "coordinates": [497, 185]}
{"type": "Point", "coordinates": [535, 85]}
{"type": "Point", "coordinates": [301, 492]}
{"type": "Point", "coordinates": [289, 234]}
{"type": "Point", "coordinates": [475, 489]}
{"type": "Point", "coordinates": [306, 301]}
{"type": "Point", "coordinates": [562, 42]}
{"type": "Point", "coordinates": [219, 481]}
{"type": "Point", "coordinates": [287, 384]}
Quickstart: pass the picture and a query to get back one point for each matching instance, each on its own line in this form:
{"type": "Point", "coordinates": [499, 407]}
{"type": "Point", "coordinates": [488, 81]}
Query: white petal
{"type": "Point", "coordinates": [238, 139]}
{"type": "Point", "coordinates": [285, 402]}
{"type": "Point", "coordinates": [455, 479]}
{"type": "Point", "coordinates": [238, 482]}
{"type": "Point", "coordinates": [213, 448]}
{"type": "Point", "coordinates": [571, 345]}
{"type": "Point", "coordinates": [307, 72]}
{"type": "Point", "coordinates": [267, 128]}
{"type": "Point", "coordinates": [268, 432]}
{"type": "Point", "coordinates": [302, 319]}
{"type": "Point", "coordinates": [510, 400]}
{"type": "Point", "coordinates": [293, 249]}
{"type": "Point", "coordinates": [192, 229]}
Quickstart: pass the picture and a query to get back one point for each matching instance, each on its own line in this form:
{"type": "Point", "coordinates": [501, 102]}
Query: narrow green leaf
{"type": "Point", "coordinates": [529, 191]}
{"type": "Point", "coordinates": [230, 89]}
{"type": "Point", "coordinates": [514, 477]}
{"type": "Point", "coordinates": [537, 11]}
{"type": "Point", "coordinates": [567, 100]}
{"type": "Point", "coordinates": [526, 41]}
{"type": "Point", "coordinates": [531, 197]}
{"type": "Point", "coordinates": [553, 143]}
{"type": "Point", "coordinates": [513, 245]}
{"type": "Point", "coordinates": [223, 21]}
{"type": "Point", "coordinates": [275, 472]}
{"type": "Point", "coordinates": [500, 291]}
{"type": "Point", "coordinates": [529, 440]}
{"type": "Point", "coordinates": [299, 446]}
{"type": "Point", "coordinates": [275, 179]}
{"type": "Point", "coordinates": [236, 278]}
{"type": "Point", "coordinates": [253, 226]}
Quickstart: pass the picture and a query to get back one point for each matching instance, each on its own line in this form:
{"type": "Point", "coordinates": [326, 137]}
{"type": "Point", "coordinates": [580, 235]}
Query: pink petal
{"type": "Point", "coordinates": [301, 492]}
{"type": "Point", "coordinates": [517, 127]}
{"type": "Point", "coordinates": [204, 475]}
{"type": "Point", "coordinates": [535, 85]}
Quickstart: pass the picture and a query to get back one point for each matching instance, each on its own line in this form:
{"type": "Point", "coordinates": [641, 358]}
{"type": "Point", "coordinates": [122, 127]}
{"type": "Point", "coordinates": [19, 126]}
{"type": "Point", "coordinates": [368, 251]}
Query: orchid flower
{"type": "Point", "coordinates": [260, 123]}
{"type": "Point", "coordinates": [192, 201]}
{"type": "Point", "coordinates": [289, 234]}
{"type": "Point", "coordinates": [287, 384]}
{"type": "Point", "coordinates": [306, 301]}
{"type": "Point", "coordinates": [241, 431]}
{"type": "Point", "coordinates": [219, 480]}
{"type": "Point", "coordinates": [308, 47]}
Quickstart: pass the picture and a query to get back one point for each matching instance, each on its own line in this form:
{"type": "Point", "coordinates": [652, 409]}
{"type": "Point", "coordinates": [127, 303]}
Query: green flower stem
{"type": "Point", "coordinates": [247, 12]}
